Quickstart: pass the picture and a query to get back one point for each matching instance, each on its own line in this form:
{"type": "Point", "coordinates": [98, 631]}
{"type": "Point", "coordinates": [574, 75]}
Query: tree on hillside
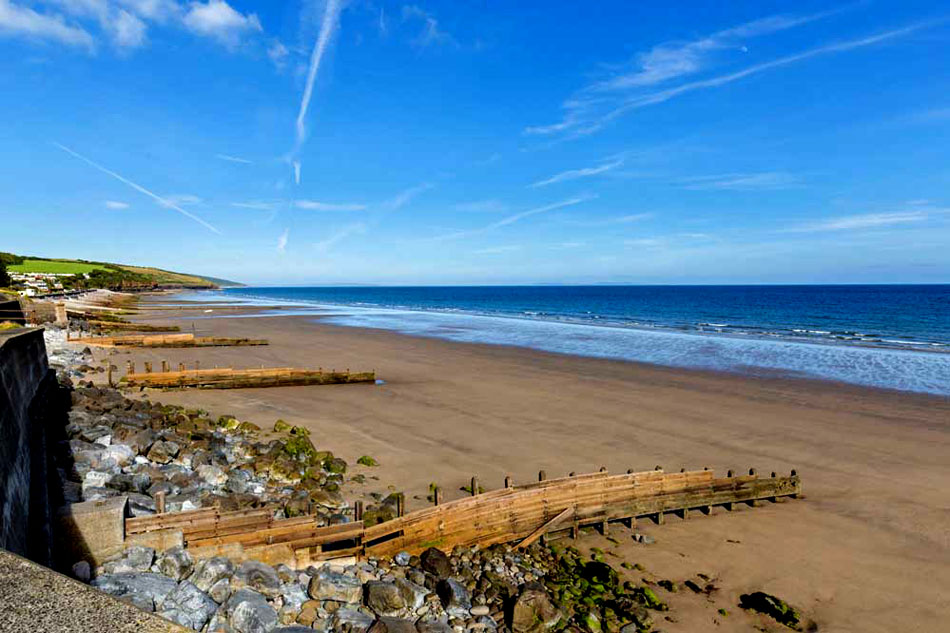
{"type": "Point", "coordinates": [4, 277]}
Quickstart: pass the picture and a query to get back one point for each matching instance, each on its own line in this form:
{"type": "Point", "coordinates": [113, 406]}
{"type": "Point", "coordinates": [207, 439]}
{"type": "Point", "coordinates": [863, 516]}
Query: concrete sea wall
{"type": "Point", "coordinates": [32, 409]}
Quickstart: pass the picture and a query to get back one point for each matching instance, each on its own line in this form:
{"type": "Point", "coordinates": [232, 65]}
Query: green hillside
{"type": "Point", "coordinates": [107, 275]}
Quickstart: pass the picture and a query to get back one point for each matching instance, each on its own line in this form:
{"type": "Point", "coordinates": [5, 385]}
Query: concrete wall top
{"type": "Point", "coordinates": [35, 598]}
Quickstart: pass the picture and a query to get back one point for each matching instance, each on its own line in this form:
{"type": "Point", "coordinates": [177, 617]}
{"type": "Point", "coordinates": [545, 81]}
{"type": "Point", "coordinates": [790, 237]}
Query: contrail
{"type": "Point", "coordinates": [330, 20]}
{"type": "Point", "coordinates": [138, 188]}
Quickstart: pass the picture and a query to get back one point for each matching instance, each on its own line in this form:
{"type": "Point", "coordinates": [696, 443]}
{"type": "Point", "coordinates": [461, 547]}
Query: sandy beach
{"type": "Point", "coordinates": [868, 549]}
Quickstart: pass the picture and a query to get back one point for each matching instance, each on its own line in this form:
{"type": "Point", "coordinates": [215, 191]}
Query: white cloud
{"type": "Point", "coordinates": [155, 10]}
{"type": "Point", "coordinates": [594, 107]}
{"type": "Point", "coordinates": [19, 21]}
{"type": "Point", "coordinates": [574, 174]}
{"type": "Point", "coordinates": [128, 31]}
{"type": "Point", "coordinates": [116, 205]}
{"type": "Point", "coordinates": [313, 205]}
{"type": "Point", "coordinates": [219, 20]}
{"type": "Point", "coordinates": [866, 221]}
{"type": "Point", "coordinates": [157, 198]}
{"type": "Point", "coordinates": [431, 33]}
{"type": "Point", "coordinates": [282, 241]}
{"type": "Point", "coordinates": [611, 221]}
{"type": "Point", "coordinates": [234, 159]}
{"type": "Point", "coordinates": [403, 198]}
{"type": "Point", "coordinates": [762, 181]}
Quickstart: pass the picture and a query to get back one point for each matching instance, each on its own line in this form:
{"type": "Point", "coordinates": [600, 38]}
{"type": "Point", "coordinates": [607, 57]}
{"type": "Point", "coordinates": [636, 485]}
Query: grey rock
{"type": "Point", "coordinates": [402, 559]}
{"type": "Point", "coordinates": [414, 595]}
{"type": "Point", "coordinates": [141, 505]}
{"type": "Point", "coordinates": [82, 571]}
{"type": "Point", "coordinates": [97, 494]}
{"type": "Point", "coordinates": [433, 626]}
{"type": "Point", "coordinates": [219, 623]}
{"type": "Point", "coordinates": [257, 576]}
{"type": "Point", "coordinates": [140, 557]}
{"type": "Point", "coordinates": [384, 598]}
{"type": "Point", "coordinates": [393, 625]}
{"type": "Point", "coordinates": [293, 595]}
{"type": "Point", "coordinates": [435, 562]}
{"type": "Point", "coordinates": [163, 452]}
{"type": "Point", "coordinates": [533, 611]}
{"type": "Point", "coordinates": [644, 539]}
{"type": "Point", "coordinates": [248, 612]}
{"type": "Point", "coordinates": [189, 606]}
{"type": "Point", "coordinates": [221, 590]}
{"type": "Point", "coordinates": [293, 628]}
{"type": "Point", "coordinates": [358, 621]}
{"type": "Point", "coordinates": [328, 585]}
{"type": "Point", "coordinates": [154, 587]}
{"type": "Point", "coordinates": [211, 570]}
{"type": "Point", "coordinates": [212, 475]}
{"type": "Point", "coordinates": [455, 598]}
{"type": "Point", "coordinates": [176, 563]}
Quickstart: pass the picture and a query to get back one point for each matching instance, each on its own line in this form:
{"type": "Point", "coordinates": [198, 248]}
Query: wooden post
{"type": "Point", "coordinates": [437, 495]}
{"type": "Point", "coordinates": [148, 367]}
{"type": "Point", "coordinates": [543, 475]}
{"type": "Point", "coordinates": [160, 502]}
{"type": "Point", "coordinates": [109, 374]}
{"type": "Point", "coordinates": [181, 367]}
{"type": "Point", "coordinates": [684, 513]}
{"type": "Point", "coordinates": [358, 511]}
{"type": "Point", "coordinates": [707, 510]}
{"type": "Point", "coordinates": [400, 504]}
{"type": "Point", "coordinates": [509, 483]}
{"type": "Point", "coordinates": [658, 517]}
{"type": "Point", "coordinates": [474, 485]}
{"type": "Point", "coordinates": [164, 366]}
{"type": "Point", "coordinates": [129, 367]}
{"type": "Point", "coordinates": [729, 473]}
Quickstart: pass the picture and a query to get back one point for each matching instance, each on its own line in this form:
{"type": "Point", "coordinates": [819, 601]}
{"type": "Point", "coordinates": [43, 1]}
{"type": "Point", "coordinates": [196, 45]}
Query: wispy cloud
{"type": "Point", "coordinates": [481, 206]}
{"type": "Point", "coordinates": [614, 220]}
{"type": "Point", "coordinates": [234, 159]}
{"type": "Point", "coordinates": [116, 205]}
{"type": "Point", "coordinates": [431, 33]}
{"type": "Point", "coordinates": [181, 199]}
{"type": "Point", "coordinates": [517, 217]}
{"type": "Point", "coordinates": [574, 174]}
{"type": "Point", "coordinates": [404, 197]}
{"type": "Point", "coordinates": [671, 60]}
{"type": "Point", "coordinates": [259, 205]}
{"type": "Point", "coordinates": [331, 17]}
{"type": "Point", "coordinates": [24, 22]}
{"type": "Point", "coordinates": [762, 181]}
{"type": "Point", "coordinates": [282, 241]}
{"type": "Point", "coordinates": [866, 221]}
{"type": "Point", "coordinates": [278, 53]}
{"type": "Point", "coordinates": [497, 250]}
{"type": "Point", "coordinates": [163, 201]}
{"type": "Point", "coordinates": [338, 236]}
{"type": "Point", "coordinates": [313, 205]}
{"type": "Point", "coordinates": [593, 108]}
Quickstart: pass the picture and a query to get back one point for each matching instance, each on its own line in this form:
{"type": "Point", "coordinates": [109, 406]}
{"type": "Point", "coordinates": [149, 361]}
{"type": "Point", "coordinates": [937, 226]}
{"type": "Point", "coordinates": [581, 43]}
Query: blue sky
{"type": "Point", "coordinates": [481, 142]}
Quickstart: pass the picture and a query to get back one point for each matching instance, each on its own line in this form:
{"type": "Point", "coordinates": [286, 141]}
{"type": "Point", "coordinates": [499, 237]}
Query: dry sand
{"type": "Point", "coordinates": [867, 550]}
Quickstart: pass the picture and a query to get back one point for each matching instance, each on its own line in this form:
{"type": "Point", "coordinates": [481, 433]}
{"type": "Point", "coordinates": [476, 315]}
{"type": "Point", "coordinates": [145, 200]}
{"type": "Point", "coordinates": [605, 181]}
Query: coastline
{"type": "Point", "coordinates": [873, 461]}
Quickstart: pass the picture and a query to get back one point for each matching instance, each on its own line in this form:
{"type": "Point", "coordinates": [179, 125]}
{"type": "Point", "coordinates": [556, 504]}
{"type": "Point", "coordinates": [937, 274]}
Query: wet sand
{"type": "Point", "coordinates": [867, 550]}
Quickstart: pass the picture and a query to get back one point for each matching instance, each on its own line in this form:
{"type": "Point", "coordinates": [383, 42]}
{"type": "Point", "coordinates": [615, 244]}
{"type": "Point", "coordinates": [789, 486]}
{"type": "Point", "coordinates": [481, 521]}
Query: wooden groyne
{"type": "Point", "coordinates": [133, 327]}
{"type": "Point", "coordinates": [513, 514]}
{"type": "Point", "coordinates": [166, 340]}
{"type": "Point", "coordinates": [227, 378]}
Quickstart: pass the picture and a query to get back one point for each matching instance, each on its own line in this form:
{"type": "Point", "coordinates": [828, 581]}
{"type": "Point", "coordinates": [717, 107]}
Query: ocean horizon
{"type": "Point", "coordinates": [886, 336]}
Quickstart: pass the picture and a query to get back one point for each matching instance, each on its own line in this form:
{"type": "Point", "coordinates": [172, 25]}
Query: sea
{"type": "Point", "coordinates": [886, 336]}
